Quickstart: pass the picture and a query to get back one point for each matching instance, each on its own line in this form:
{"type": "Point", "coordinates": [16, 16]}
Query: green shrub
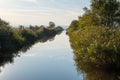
{"type": "Point", "coordinates": [29, 35]}
{"type": "Point", "coordinates": [97, 45]}
{"type": "Point", "coordinates": [17, 38]}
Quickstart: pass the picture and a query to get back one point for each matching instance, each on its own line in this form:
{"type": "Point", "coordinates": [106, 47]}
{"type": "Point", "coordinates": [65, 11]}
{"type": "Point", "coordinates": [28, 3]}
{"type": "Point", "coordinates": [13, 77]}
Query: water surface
{"type": "Point", "coordinates": [51, 60]}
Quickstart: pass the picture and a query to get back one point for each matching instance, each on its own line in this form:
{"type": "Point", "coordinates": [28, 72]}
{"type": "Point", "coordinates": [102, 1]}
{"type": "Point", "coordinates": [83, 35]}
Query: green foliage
{"type": "Point", "coordinates": [108, 12]}
{"type": "Point", "coordinates": [88, 20]}
{"type": "Point", "coordinates": [74, 25]}
{"type": "Point", "coordinates": [28, 34]}
{"type": "Point", "coordinates": [97, 45]}
{"type": "Point", "coordinates": [58, 29]}
{"type": "Point", "coordinates": [51, 24]}
{"type": "Point", "coordinates": [21, 27]}
{"type": "Point", "coordinates": [3, 23]}
{"type": "Point", "coordinates": [15, 38]}
{"type": "Point", "coordinates": [5, 35]}
{"type": "Point", "coordinates": [95, 36]}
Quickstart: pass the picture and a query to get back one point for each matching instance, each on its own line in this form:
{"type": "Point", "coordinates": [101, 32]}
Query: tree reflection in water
{"type": "Point", "coordinates": [91, 73]}
{"type": "Point", "coordinates": [7, 57]}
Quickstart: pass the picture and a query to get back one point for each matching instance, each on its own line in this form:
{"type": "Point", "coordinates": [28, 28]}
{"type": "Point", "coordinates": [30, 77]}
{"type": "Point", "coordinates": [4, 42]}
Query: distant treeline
{"type": "Point", "coordinates": [95, 36]}
{"type": "Point", "coordinates": [12, 39]}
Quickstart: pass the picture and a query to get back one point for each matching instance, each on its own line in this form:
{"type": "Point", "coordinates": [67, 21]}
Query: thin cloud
{"type": "Point", "coordinates": [40, 11]}
{"type": "Point", "coordinates": [33, 1]}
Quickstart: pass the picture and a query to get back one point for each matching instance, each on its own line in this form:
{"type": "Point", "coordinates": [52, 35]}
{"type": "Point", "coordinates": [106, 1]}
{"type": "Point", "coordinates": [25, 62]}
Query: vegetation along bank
{"type": "Point", "coordinates": [95, 36]}
{"type": "Point", "coordinates": [12, 39]}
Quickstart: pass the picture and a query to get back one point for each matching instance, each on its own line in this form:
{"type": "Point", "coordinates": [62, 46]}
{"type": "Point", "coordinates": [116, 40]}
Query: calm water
{"type": "Point", "coordinates": [52, 60]}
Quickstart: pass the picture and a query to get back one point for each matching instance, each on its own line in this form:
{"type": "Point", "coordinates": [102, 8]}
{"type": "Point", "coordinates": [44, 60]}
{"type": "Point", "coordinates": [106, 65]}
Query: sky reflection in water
{"type": "Point", "coordinates": [52, 60]}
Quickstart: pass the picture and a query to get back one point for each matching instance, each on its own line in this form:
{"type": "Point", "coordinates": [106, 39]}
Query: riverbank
{"type": "Point", "coordinates": [97, 46]}
{"type": "Point", "coordinates": [95, 36]}
{"type": "Point", "coordinates": [13, 39]}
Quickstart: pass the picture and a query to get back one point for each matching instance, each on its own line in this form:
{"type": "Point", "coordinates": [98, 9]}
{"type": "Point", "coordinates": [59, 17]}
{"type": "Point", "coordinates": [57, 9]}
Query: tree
{"type": "Point", "coordinates": [74, 24]}
{"type": "Point", "coordinates": [87, 11]}
{"type": "Point", "coordinates": [21, 27]}
{"type": "Point", "coordinates": [3, 23]}
{"type": "Point", "coordinates": [51, 24]}
{"type": "Point", "coordinates": [31, 27]}
{"type": "Point", "coordinates": [36, 27]}
{"type": "Point", "coordinates": [88, 20]}
{"type": "Point", "coordinates": [108, 11]}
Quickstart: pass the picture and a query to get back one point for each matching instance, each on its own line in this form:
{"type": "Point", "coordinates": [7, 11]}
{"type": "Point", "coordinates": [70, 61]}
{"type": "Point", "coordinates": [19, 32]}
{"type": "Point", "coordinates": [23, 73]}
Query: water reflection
{"type": "Point", "coordinates": [44, 61]}
{"type": "Point", "coordinates": [8, 57]}
{"type": "Point", "coordinates": [92, 73]}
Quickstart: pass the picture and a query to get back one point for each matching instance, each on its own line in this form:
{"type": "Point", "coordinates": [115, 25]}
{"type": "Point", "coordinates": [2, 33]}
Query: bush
{"type": "Point", "coordinates": [97, 45]}
{"type": "Point", "coordinates": [29, 35]}
{"type": "Point", "coordinates": [17, 38]}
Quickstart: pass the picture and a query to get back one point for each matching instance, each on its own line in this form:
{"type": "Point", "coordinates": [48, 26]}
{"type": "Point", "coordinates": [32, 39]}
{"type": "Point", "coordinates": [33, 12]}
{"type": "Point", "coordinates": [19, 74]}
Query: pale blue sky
{"type": "Point", "coordinates": [40, 12]}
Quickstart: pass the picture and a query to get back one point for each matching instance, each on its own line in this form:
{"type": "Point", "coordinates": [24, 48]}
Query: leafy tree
{"type": "Point", "coordinates": [31, 27]}
{"type": "Point", "coordinates": [21, 27]}
{"type": "Point", "coordinates": [29, 35]}
{"type": "Point", "coordinates": [87, 11]}
{"type": "Point", "coordinates": [88, 19]}
{"type": "Point", "coordinates": [74, 24]}
{"type": "Point", "coordinates": [3, 23]}
{"type": "Point", "coordinates": [108, 11]}
{"type": "Point", "coordinates": [51, 24]}
{"type": "Point", "coordinates": [36, 27]}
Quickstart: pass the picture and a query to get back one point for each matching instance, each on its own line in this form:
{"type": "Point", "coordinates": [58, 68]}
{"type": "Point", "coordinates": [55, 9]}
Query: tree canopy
{"type": "Point", "coordinates": [51, 24]}
{"type": "Point", "coordinates": [107, 12]}
{"type": "Point", "coordinates": [102, 13]}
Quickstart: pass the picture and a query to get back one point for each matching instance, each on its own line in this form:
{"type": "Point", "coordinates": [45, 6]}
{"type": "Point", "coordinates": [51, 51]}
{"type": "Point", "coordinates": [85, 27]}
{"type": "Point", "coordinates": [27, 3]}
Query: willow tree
{"type": "Point", "coordinates": [108, 12]}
